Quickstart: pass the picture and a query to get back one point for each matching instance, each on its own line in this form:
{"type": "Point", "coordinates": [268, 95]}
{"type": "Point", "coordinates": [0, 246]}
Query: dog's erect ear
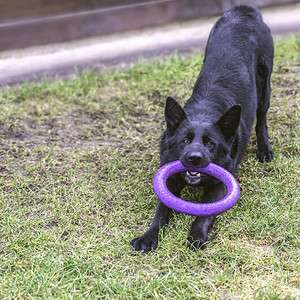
{"type": "Point", "coordinates": [174, 114]}
{"type": "Point", "coordinates": [230, 121]}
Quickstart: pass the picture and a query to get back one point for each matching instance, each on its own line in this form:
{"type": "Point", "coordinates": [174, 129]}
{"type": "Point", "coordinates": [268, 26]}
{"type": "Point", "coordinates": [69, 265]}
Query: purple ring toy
{"type": "Point", "coordinates": [190, 208]}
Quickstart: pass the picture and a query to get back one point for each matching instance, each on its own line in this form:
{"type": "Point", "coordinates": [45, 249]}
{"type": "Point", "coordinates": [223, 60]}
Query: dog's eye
{"type": "Point", "coordinates": [207, 142]}
{"type": "Point", "coordinates": [186, 141]}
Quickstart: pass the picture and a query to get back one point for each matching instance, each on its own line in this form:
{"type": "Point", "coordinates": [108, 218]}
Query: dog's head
{"type": "Point", "coordinates": [197, 140]}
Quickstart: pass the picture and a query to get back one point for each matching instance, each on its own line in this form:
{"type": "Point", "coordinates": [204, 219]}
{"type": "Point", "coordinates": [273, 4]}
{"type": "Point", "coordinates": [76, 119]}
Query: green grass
{"type": "Point", "coordinates": [77, 160]}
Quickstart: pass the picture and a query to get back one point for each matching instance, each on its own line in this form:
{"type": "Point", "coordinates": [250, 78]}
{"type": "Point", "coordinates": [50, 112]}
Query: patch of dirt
{"type": "Point", "coordinates": [76, 129]}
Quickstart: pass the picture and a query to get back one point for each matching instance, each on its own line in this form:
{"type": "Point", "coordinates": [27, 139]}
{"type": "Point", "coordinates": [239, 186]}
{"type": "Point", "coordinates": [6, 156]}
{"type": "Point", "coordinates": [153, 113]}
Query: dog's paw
{"type": "Point", "coordinates": [144, 243]}
{"type": "Point", "coordinates": [195, 244]}
{"type": "Point", "coordinates": [265, 156]}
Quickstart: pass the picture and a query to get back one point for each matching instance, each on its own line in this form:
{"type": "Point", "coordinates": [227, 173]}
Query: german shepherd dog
{"type": "Point", "coordinates": [215, 124]}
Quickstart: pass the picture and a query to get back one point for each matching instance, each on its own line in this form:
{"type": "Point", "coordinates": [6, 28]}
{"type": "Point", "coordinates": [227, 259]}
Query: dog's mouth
{"type": "Point", "coordinates": [193, 177]}
{"type": "Point", "coordinates": [194, 174]}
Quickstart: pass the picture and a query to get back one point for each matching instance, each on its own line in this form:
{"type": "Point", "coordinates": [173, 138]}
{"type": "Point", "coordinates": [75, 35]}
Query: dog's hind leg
{"type": "Point", "coordinates": [264, 152]}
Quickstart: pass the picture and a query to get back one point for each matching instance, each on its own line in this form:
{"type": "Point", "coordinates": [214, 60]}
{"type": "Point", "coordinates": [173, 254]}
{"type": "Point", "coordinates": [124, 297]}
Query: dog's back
{"type": "Point", "coordinates": [237, 67]}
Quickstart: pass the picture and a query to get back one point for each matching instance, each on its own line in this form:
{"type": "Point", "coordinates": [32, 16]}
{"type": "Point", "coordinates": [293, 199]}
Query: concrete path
{"type": "Point", "coordinates": [62, 59]}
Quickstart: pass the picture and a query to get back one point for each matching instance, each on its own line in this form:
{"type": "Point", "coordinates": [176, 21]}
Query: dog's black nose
{"type": "Point", "coordinates": [194, 158]}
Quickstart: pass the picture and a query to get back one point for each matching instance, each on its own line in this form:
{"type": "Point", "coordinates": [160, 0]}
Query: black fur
{"type": "Point", "coordinates": [216, 123]}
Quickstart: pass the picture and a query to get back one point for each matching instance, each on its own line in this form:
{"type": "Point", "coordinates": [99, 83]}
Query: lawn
{"type": "Point", "coordinates": [77, 160]}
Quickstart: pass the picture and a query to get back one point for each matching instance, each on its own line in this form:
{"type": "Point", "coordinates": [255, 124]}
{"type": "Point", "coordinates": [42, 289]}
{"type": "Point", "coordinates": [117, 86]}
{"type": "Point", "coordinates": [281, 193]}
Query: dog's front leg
{"type": "Point", "coordinates": [149, 240]}
{"type": "Point", "coordinates": [201, 225]}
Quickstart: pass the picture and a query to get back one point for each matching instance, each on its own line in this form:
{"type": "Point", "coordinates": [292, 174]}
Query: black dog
{"type": "Point", "coordinates": [216, 123]}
